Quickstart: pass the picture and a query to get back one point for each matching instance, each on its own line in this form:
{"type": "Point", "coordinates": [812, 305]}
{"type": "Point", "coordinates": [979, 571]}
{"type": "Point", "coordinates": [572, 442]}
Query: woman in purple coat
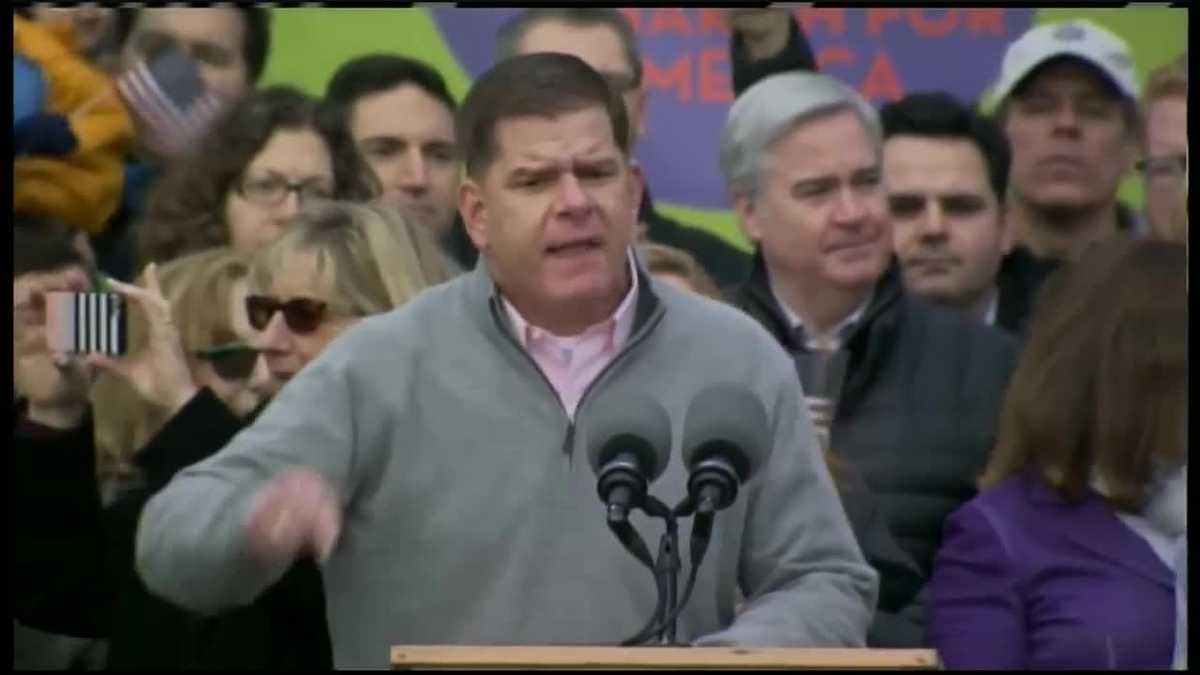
{"type": "Point", "coordinates": [1066, 557]}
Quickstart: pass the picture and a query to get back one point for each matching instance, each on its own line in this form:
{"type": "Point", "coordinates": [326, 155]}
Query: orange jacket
{"type": "Point", "coordinates": [84, 188]}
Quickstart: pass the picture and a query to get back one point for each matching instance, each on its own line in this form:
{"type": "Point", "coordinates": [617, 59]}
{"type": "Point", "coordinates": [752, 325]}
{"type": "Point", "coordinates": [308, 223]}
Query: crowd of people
{"type": "Point", "coordinates": [368, 334]}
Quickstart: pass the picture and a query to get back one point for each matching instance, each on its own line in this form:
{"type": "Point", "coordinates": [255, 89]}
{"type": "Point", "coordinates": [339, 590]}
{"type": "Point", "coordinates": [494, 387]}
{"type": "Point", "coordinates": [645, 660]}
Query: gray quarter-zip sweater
{"type": "Point", "coordinates": [470, 509]}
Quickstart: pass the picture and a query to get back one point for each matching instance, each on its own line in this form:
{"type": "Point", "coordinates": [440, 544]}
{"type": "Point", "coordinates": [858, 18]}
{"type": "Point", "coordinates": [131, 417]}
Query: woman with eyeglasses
{"type": "Point", "coordinates": [266, 157]}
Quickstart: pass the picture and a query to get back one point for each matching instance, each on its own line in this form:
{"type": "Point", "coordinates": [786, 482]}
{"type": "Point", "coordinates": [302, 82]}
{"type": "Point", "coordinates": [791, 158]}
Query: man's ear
{"type": "Point", "coordinates": [1135, 146]}
{"type": "Point", "coordinates": [638, 125]}
{"type": "Point", "coordinates": [637, 186]}
{"type": "Point", "coordinates": [474, 212]}
{"type": "Point", "coordinates": [748, 216]}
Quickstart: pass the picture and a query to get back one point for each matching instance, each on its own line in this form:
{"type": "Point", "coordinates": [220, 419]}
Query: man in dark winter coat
{"type": "Point", "coordinates": [908, 392]}
{"type": "Point", "coordinates": [998, 284]}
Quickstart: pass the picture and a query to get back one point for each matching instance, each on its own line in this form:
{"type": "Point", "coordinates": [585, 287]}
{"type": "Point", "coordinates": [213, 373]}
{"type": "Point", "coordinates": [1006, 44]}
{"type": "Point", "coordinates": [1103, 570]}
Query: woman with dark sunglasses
{"type": "Point", "coordinates": [188, 339]}
{"type": "Point", "coordinates": [190, 381]}
{"type": "Point", "coordinates": [336, 263]}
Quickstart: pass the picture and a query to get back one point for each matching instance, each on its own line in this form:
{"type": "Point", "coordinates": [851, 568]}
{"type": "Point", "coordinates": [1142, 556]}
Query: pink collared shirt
{"type": "Point", "coordinates": [572, 363]}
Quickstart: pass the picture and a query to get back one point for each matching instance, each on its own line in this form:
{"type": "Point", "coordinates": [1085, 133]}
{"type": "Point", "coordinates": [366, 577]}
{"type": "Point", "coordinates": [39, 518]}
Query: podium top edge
{"type": "Point", "coordinates": [458, 656]}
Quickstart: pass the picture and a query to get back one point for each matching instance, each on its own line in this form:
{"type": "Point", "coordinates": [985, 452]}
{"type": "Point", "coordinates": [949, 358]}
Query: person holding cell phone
{"type": "Point", "coordinates": [46, 390]}
{"type": "Point", "coordinates": [170, 393]}
{"type": "Point", "coordinates": [190, 380]}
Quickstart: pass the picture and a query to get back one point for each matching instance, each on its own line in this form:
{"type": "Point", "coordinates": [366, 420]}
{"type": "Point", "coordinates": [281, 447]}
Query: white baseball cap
{"type": "Point", "coordinates": [1079, 38]}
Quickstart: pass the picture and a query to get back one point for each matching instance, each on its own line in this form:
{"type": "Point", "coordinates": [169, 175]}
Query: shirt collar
{"type": "Point", "coordinates": [795, 323]}
{"type": "Point", "coordinates": [989, 317]}
{"type": "Point", "coordinates": [619, 325]}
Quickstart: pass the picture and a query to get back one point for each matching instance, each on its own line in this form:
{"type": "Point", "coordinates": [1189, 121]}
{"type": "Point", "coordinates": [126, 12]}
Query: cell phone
{"type": "Point", "coordinates": [86, 323]}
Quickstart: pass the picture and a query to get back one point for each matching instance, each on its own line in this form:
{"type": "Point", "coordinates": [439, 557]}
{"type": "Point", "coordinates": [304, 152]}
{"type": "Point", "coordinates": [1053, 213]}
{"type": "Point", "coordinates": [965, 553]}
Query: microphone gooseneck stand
{"type": "Point", "coordinates": [712, 487]}
{"type": "Point", "coordinates": [725, 436]}
{"type": "Point", "coordinates": [667, 566]}
{"type": "Point", "coordinates": [619, 524]}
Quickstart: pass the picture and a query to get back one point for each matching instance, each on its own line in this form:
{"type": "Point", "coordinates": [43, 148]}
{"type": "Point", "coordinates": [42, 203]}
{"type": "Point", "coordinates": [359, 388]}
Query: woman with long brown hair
{"type": "Point", "coordinates": [258, 165]}
{"type": "Point", "coordinates": [1065, 559]}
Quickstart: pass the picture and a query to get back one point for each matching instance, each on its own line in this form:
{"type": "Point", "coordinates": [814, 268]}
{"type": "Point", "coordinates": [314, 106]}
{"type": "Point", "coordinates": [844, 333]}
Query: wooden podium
{"type": "Point", "coordinates": [658, 658]}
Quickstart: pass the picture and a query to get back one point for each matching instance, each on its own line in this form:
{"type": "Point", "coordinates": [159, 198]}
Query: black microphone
{"type": "Point", "coordinates": [628, 437]}
{"type": "Point", "coordinates": [725, 436]}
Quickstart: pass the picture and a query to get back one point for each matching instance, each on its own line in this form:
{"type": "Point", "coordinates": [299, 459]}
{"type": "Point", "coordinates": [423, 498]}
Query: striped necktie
{"type": "Point", "coordinates": [822, 373]}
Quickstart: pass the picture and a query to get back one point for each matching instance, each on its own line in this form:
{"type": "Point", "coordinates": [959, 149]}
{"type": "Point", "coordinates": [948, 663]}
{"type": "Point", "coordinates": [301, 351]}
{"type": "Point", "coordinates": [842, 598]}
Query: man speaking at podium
{"type": "Point", "coordinates": [429, 457]}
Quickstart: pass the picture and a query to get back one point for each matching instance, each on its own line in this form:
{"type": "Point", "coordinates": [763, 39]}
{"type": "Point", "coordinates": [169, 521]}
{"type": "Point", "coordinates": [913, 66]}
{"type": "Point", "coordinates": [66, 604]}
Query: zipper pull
{"type": "Point", "coordinates": [569, 442]}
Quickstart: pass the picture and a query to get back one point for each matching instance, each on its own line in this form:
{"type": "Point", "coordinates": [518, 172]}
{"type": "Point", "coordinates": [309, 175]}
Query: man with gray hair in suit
{"type": "Point", "coordinates": [908, 393]}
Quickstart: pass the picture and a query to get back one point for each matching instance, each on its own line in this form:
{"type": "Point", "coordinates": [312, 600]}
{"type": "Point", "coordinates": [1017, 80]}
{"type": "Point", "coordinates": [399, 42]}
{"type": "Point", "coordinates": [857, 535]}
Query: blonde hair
{"type": "Point", "coordinates": [1170, 81]}
{"type": "Point", "coordinates": [663, 259]}
{"type": "Point", "coordinates": [1166, 81]}
{"type": "Point", "coordinates": [380, 259]}
{"type": "Point", "coordinates": [199, 288]}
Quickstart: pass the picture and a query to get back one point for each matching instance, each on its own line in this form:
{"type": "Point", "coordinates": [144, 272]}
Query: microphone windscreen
{"type": "Point", "coordinates": [726, 417]}
{"type": "Point", "coordinates": [627, 420]}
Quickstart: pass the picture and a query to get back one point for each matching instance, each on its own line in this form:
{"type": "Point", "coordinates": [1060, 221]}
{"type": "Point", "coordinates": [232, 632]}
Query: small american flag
{"type": "Point", "coordinates": [167, 96]}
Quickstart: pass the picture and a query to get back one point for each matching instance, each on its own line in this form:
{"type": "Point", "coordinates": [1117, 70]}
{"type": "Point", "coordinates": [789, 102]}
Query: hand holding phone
{"type": "Point", "coordinates": [55, 384]}
{"type": "Point", "coordinates": [158, 370]}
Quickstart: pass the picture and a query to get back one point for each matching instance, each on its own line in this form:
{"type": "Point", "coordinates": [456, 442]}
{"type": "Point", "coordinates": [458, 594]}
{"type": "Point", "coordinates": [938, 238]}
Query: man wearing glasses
{"type": "Point", "coordinates": [605, 41]}
{"type": "Point", "coordinates": [1067, 99]}
{"type": "Point", "coordinates": [1164, 168]}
